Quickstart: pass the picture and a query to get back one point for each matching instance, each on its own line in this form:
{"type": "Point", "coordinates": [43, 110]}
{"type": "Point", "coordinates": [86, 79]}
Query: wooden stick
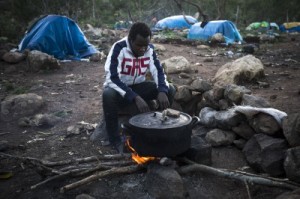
{"type": "Point", "coordinates": [56, 177]}
{"type": "Point", "coordinates": [75, 172]}
{"type": "Point", "coordinates": [78, 160]}
{"type": "Point", "coordinates": [82, 166]}
{"type": "Point", "coordinates": [248, 190]}
{"type": "Point", "coordinates": [89, 159]}
{"type": "Point", "coordinates": [4, 133]}
{"type": "Point", "coordinates": [113, 171]}
{"type": "Point", "coordinates": [90, 166]}
{"type": "Point", "coordinates": [241, 176]}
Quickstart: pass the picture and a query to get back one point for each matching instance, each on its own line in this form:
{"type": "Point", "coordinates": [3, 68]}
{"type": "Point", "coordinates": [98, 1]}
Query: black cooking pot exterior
{"type": "Point", "coordinates": [160, 138]}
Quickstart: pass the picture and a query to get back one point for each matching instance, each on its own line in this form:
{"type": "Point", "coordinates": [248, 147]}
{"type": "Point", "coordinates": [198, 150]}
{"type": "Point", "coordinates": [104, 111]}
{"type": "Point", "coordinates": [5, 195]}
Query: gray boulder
{"type": "Point", "coordinates": [265, 123]}
{"type": "Point", "coordinates": [16, 106]}
{"type": "Point", "coordinates": [255, 101]}
{"type": "Point", "coordinates": [291, 129]}
{"type": "Point", "coordinates": [245, 68]}
{"type": "Point", "coordinates": [164, 182]}
{"type": "Point", "coordinates": [292, 164]}
{"type": "Point", "coordinates": [218, 137]}
{"type": "Point", "coordinates": [266, 154]}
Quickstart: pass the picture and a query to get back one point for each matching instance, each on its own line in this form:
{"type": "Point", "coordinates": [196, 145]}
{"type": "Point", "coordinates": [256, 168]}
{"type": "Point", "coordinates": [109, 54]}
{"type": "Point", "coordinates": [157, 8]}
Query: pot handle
{"type": "Point", "coordinates": [195, 121]}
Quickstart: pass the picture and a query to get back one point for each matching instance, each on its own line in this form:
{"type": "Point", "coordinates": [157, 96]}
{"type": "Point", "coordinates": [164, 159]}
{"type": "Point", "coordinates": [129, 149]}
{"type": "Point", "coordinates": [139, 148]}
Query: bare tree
{"type": "Point", "coordinates": [204, 16]}
{"type": "Point", "coordinates": [221, 7]}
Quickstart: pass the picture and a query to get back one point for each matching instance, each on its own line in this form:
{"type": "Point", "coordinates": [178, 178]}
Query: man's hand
{"type": "Point", "coordinates": [141, 104]}
{"type": "Point", "coordinates": [163, 100]}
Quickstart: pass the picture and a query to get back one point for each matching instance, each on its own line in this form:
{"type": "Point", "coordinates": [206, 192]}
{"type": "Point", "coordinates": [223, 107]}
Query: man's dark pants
{"type": "Point", "coordinates": [113, 102]}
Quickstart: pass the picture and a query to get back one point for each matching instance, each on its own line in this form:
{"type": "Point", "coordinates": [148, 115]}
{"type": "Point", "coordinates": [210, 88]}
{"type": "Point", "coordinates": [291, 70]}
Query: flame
{"type": "Point", "coordinates": [138, 159]}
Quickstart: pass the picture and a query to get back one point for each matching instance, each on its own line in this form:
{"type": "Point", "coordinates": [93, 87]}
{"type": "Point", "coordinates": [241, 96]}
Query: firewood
{"type": "Point", "coordinates": [57, 177]}
{"type": "Point", "coordinates": [110, 172]}
{"type": "Point", "coordinates": [238, 175]}
{"type": "Point", "coordinates": [70, 161]}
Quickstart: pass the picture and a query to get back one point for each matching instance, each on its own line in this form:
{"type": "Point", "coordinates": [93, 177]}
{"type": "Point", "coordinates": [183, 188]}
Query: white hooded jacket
{"type": "Point", "coordinates": [123, 69]}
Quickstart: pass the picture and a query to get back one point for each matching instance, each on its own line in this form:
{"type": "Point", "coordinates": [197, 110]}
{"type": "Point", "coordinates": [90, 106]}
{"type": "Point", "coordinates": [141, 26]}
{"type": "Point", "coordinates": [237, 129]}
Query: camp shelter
{"type": "Point", "coordinates": [258, 25]}
{"type": "Point", "coordinates": [290, 27]}
{"type": "Point", "coordinates": [264, 25]}
{"type": "Point", "coordinates": [175, 22]}
{"type": "Point", "coordinates": [225, 27]}
{"type": "Point", "coordinates": [274, 26]}
{"type": "Point", "coordinates": [58, 36]}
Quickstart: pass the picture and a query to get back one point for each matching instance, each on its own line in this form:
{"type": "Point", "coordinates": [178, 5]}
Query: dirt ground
{"type": "Point", "coordinates": [81, 100]}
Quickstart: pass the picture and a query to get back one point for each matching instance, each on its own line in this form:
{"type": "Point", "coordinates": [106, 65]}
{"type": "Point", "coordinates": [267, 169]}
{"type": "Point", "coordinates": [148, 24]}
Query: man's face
{"type": "Point", "coordinates": [140, 45]}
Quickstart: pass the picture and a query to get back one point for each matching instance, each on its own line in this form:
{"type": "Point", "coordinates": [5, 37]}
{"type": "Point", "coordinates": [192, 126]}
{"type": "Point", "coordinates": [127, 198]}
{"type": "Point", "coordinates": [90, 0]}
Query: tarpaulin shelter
{"type": "Point", "coordinates": [290, 27]}
{"type": "Point", "coordinates": [225, 27]}
{"type": "Point", "coordinates": [264, 25]}
{"type": "Point", "coordinates": [175, 22]}
{"type": "Point", "coordinates": [58, 36]}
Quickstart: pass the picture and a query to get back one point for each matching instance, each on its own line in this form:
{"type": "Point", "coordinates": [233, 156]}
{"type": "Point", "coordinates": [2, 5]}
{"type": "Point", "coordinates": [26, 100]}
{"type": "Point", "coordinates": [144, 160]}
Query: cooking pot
{"type": "Point", "coordinates": [157, 135]}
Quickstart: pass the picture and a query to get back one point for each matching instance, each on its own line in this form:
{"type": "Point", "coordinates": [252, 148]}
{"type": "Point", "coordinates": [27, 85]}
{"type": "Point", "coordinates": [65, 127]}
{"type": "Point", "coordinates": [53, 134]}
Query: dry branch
{"type": "Point", "coordinates": [70, 161]}
{"type": "Point", "coordinates": [4, 133]}
{"type": "Point", "coordinates": [68, 173]}
{"type": "Point", "coordinates": [241, 176]}
{"type": "Point", "coordinates": [110, 172]}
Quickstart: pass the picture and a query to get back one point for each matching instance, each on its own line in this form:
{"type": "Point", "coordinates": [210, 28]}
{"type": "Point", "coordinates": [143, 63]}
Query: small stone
{"type": "Point", "coordinates": [273, 97]}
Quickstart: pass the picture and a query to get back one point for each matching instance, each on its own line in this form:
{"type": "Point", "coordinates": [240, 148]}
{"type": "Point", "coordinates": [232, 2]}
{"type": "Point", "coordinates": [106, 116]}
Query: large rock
{"type": "Point", "coordinates": [199, 151]}
{"type": "Point", "coordinates": [176, 64]}
{"type": "Point", "coordinates": [292, 164]}
{"type": "Point", "coordinates": [228, 119]}
{"type": "Point", "coordinates": [210, 101]}
{"type": "Point", "coordinates": [234, 93]}
{"type": "Point", "coordinates": [13, 57]}
{"type": "Point", "coordinates": [250, 112]}
{"type": "Point", "coordinates": [265, 123]}
{"type": "Point", "coordinates": [244, 130]}
{"type": "Point", "coordinates": [183, 94]}
{"type": "Point", "coordinates": [201, 85]}
{"type": "Point", "coordinates": [266, 154]}
{"type": "Point", "coordinates": [41, 61]}
{"type": "Point", "coordinates": [218, 137]}
{"type": "Point", "coordinates": [164, 182]}
{"type": "Point", "coordinates": [190, 107]}
{"type": "Point", "coordinates": [246, 68]}
{"type": "Point", "coordinates": [255, 101]}
{"type": "Point", "coordinates": [291, 129]}
{"type": "Point", "coordinates": [207, 117]}
{"type": "Point", "coordinates": [17, 106]}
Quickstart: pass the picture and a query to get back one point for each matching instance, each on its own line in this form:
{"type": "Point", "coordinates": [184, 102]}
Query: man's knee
{"type": "Point", "coordinates": [109, 94]}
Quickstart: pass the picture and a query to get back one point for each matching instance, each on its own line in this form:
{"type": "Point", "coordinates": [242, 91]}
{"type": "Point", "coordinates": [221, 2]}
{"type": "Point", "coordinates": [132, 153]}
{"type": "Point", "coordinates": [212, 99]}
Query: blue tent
{"type": "Point", "coordinates": [227, 28]}
{"type": "Point", "coordinates": [58, 36]}
{"type": "Point", "coordinates": [290, 27]}
{"type": "Point", "coordinates": [175, 22]}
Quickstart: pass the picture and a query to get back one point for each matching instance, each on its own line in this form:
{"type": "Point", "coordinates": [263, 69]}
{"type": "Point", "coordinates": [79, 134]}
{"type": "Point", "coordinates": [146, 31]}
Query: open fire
{"type": "Point", "coordinates": [138, 159]}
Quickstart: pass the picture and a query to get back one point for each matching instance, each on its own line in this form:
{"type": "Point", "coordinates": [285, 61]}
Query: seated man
{"type": "Point", "coordinates": [125, 79]}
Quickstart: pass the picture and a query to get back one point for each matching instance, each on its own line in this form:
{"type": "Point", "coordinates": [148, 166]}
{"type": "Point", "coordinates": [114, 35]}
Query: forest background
{"type": "Point", "coordinates": [17, 15]}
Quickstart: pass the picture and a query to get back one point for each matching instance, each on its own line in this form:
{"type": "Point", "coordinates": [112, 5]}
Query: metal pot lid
{"type": "Point", "coordinates": [156, 120]}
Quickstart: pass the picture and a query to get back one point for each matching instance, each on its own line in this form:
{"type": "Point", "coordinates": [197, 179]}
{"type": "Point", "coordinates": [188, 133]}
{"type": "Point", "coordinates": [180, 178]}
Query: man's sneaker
{"type": "Point", "coordinates": [119, 147]}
